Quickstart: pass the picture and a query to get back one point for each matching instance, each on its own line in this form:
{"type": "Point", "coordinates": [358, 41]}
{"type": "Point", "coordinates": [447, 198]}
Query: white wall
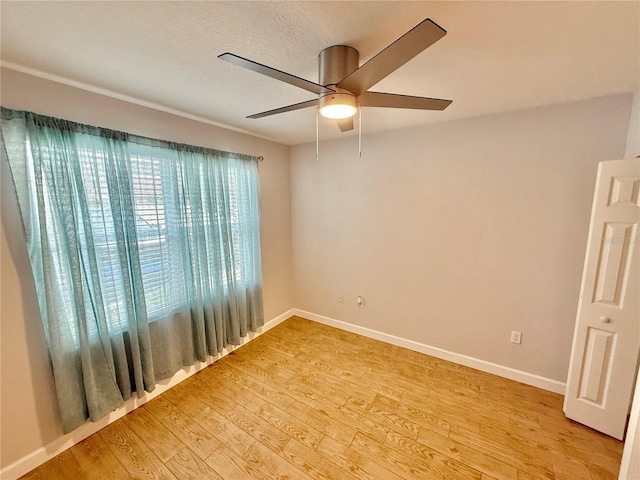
{"type": "Point", "coordinates": [632, 149]}
{"type": "Point", "coordinates": [457, 233]}
{"type": "Point", "coordinates": [29, 418]}
{"type": "Point", "coordinates": [630, 464]}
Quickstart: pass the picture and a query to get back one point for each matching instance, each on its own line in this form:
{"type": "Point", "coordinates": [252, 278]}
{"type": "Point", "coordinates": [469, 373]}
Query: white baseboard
{"type": "Point", "coordinates": [482, 365]}
{"type": "Point", "coordinates": [41, 455]}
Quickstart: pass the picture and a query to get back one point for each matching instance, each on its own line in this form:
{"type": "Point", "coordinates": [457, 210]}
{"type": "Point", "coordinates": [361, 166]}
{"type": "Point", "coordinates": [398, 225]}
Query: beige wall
{"type": "Point", "coordinates": [457, 233]}
{"type": "Point", "coordinates": [29, 417]}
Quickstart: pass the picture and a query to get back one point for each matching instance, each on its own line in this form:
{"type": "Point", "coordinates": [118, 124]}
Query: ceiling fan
{"type": "Point", "coordinates": [343, 85]}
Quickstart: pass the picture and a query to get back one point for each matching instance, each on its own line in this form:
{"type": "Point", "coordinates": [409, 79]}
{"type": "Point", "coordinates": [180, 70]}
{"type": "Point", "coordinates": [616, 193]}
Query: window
{"type": "Point", "coordinates": [145, 254]}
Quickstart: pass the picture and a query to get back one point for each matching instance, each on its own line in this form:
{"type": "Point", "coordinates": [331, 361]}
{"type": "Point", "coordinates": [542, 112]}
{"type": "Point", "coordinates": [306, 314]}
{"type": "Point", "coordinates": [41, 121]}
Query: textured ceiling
{"type": "Point", "coordinates": [497, 56]}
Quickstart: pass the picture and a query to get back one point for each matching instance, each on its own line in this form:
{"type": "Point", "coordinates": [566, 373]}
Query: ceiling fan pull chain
{"type": "Point", "coordinates": [360, 131]}
{"type": "Point", "coordinates": [317, 134]}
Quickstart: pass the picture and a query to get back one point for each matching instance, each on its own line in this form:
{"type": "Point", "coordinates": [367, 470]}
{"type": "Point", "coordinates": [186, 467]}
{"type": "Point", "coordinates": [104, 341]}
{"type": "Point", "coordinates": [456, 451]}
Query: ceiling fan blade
{"type": "Point", "coordinates": [288, 108]}
{"type": "Point", "coordinates": [345, 124]}
{"type": "Point", "coordinates": [392, 100]}
{"type": "Point", "coordinates": [395, 55]}
{"type": "Point", "coordinates": [274, 73]}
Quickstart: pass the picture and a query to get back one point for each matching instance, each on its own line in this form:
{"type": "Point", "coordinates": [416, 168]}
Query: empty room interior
{"type": "Point", "coordinates": [320, 240]}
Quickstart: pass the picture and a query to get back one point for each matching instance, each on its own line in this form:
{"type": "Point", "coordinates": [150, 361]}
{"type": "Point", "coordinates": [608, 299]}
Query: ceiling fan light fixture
{"type": "Point", "coordinates": [338, 105]}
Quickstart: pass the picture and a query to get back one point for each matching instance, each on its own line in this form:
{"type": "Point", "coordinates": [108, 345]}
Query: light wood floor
{"type": "Point", "coordinates": [308, 401]}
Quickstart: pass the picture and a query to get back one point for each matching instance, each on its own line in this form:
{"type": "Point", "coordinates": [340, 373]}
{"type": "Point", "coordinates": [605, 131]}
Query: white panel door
{"type": "Point", "coordinates": [606, 340]}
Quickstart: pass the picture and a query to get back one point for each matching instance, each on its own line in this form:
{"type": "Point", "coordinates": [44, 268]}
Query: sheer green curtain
{"type": "Point", "coordinates": [145, 254]}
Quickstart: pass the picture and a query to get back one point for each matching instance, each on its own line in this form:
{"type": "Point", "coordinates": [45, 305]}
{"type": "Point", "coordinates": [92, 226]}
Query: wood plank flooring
{"type": "Point", "coordinates": [307, 401]}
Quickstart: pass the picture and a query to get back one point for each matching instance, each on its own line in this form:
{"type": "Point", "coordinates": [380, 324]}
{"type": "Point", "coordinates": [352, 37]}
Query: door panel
{"type": "Point", "coordinates": [596, 367]}
{"type": "Point", "coordinates": [614, 263]}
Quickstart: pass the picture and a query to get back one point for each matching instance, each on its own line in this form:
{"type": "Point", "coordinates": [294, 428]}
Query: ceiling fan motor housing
{"type": "Point", "coordinates": [335, 63]}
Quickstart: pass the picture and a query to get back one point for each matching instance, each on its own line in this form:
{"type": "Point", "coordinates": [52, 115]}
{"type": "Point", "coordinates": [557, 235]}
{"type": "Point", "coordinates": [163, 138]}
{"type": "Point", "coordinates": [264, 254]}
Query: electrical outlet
{"type": "Point", "coordinates": [516, 337]}
{"type": "Point", "coordinates": [340, 298]}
